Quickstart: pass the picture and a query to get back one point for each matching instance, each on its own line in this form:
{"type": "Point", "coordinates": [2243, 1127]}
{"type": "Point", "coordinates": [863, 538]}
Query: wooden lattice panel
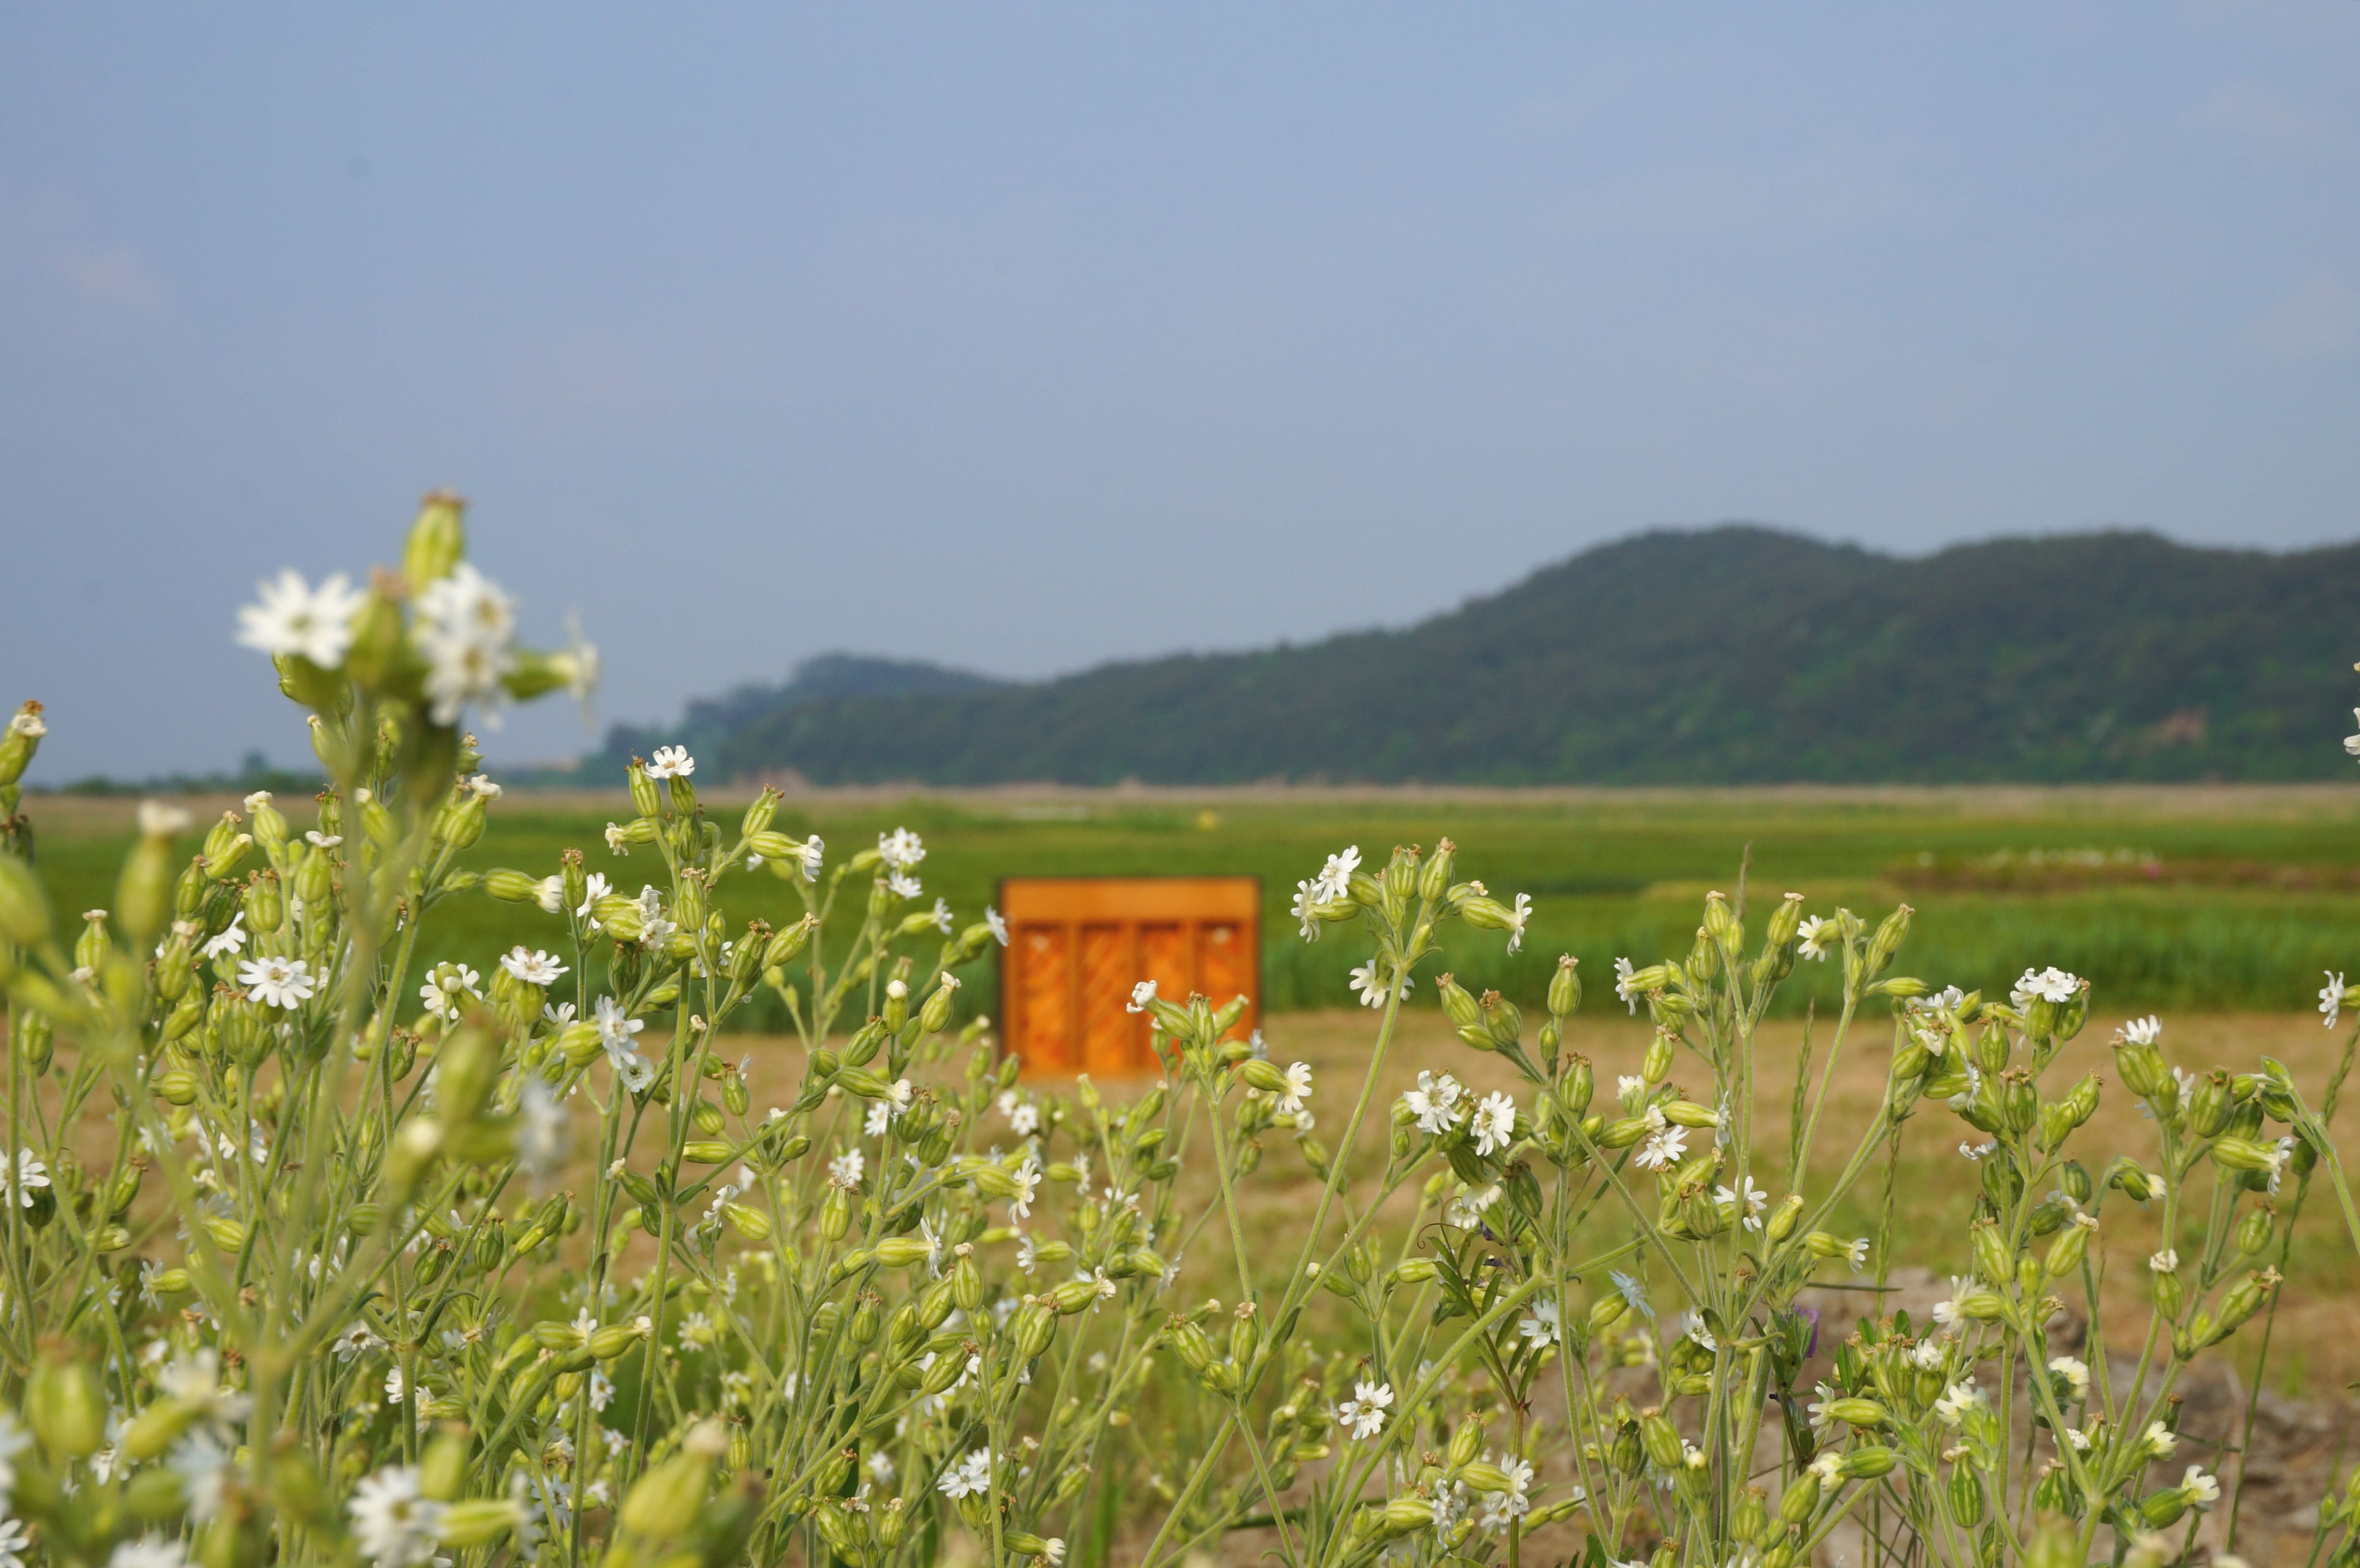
{"type": "Point", "coordinates": [1078, 945]}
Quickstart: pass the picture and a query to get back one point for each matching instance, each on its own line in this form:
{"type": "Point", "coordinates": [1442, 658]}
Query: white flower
{"type": "Point", "coordinates": [1856, 1253]}
{"type": "Point", "coordinates": [1335, 878]}
{"type": "Point", "coordinates": [2330, 997]}
{"type": "Point", "coordinates": [397, 1387]}
{"type": "Point", "coordinates": [1828, 1467]}
{"type": "Point", "coordinates": [2076, 1374]}
{"type": "Point", "coordinates": [354, 1341]}
{"type": "Point", "coordinates": [1953, 1406]}
{"type": "Point", "coordinates": [900, 849]}
{"type": "Point", "coordinates": [148, 1551]}
{"type": "Point", "coordinates": [844, 1171]}
{"type": "Point", "coordinates": [1363, 1415]}
{"type": "Point", "coordinates": [1663, 1149]}
{"type": "Point", "coordinates": [2201, 1490]}
{"type": "Point", "coordinates": [671, 762]}
{"type": "Point", "coordinates": [1494, 1125]}
{"type": "Point", "coordinates": [1632, 1292]}
{"type": "Point", "coordinates": [1298, 1089]}
{"type": "Point", "coordinates": [1304, 911]}
{"type": "Point", "coordinates": [15, 1540]}
{"type": "Point", "coordinates": [278, 982]}
{"type": "Point", "coordinates": [201, 1462]}
{"type": "Point", "coordinates": [1024, 1115]}
{"type": "Point", "coordinates": [1623, 987]}
{"type": "Point", "coordinates": [540, 1128]}
{"type": "Point", "coordinates": [534, 968]}
{"type": "Point", "coordinates": [1816, 937]}
{"type": "Point", "coordinates": [1757, 1202]}
{"type": "Point", "coordinates": [998, 924]}
{"type": "Point", "coordinates": [901, 884]}
{"type": "Point", "coordinates": [1518, 918]}
{"type": "Point", "coordinates": [1027, 1253]}
{"type": "Point", "coordinates": [550, 895]}
{"type": "Point", "coordinates": [2161, 1439]}
{"type": "Point", "coordinates": [1027, 1179]}
{"type": "Point", "coordinates": [2143, 1031]}
{"type": "Point", "coordinates": [2165, 1262]}
{"type": "Point", "coordinates": [1977, 1150]}
{"type": "Point", "coordinates": [394, 1523]}
{"type": "Point", "coordinates": [879, 1117]}
{"type": "Point", "coordinates": [295, 618]}
{"type": "Point", "coordinates": [1434, 1102]}
{"type": "Point", "coordinates": [1499, 1508]}
{"type": "Point", "coordinates": [1630, 1090]}
{"type": "Point", "coordinates": [466, 628]}
{"type": "Point", "coordinates": [1466, 1210]}
{"type": "Point", "coordinates": [1369, 987]}
{"type": "Point", "coordinates": [480, 786]}
{"type": "Point", "coordinates": [29, 1171]}
{"type": "Point", "coordinates": [1541, 1326]}
{"type": "Point", "coordinates": [619, 840]}
{"type": "Point", "coordinates": [32, 726]}
{"type": "Point", "coordinates": [159, 821]}
{"type": "Point", "coordinates": [941, 915]}
{"type": "Point", "coordinates": [231, 938]}
{"type": "Point", "coordinates": [1140, 995]}
{"type": "Point", "coordinates": [970, 1478]}
{"type": "Point", "coordinates": [2050, 985]}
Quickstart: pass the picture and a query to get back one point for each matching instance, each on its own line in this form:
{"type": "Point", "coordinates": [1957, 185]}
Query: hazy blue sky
{"type": "Point", "coordinates": [1023, 337]}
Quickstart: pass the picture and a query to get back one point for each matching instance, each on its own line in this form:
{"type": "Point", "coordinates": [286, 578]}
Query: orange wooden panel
{"type": "Point", "coordinates": [1226, 962]}
{"type": "Point", "coordinates": [1039, 1003]}
{"type": "Point", "coordinates": [1080, 943]}
{"type": "Point", "coordinates": [1108, 1027]}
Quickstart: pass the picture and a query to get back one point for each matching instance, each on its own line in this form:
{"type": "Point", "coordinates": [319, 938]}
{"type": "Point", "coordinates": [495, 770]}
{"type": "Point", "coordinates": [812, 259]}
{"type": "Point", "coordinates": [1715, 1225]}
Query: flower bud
{"type": "Point", "coordinates": [437, 540]}
{"type": "Point", "coordinates": [18, 740]}
{"type": "Point", "coordinates": [1662, 1441]}
{"type": "Point", "coordinates": [2254, 1230]}
{"type": "Point", "coordinates": [644, 799]}
{"type": "Point", "coordinates": [1886, 942]}
{"type": "Point", "coordinates": [936, 1017]}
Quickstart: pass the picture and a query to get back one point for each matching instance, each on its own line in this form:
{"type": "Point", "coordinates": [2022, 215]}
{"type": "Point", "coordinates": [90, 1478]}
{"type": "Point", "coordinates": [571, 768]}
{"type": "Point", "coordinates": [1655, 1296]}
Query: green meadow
{"type": "Point", "coordinates": [2168, 899]}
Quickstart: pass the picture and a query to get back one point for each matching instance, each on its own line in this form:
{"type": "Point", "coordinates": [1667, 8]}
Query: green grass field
{"type": "Point", "coordinates": [2207, 900]}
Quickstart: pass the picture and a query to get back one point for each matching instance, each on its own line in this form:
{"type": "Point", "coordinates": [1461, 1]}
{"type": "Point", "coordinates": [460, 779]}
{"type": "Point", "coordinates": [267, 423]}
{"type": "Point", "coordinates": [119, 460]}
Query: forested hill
{"type": "Point", "coordinates": [1729, 655]}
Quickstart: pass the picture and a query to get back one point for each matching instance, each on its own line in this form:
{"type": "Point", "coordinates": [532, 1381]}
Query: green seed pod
{"type": "Point", "coordinates": [1458, 1007]}
{"type": "Point", "coordinates": [1565, 987]}
{"type": "Point", "coordinates": [1749, 1520]}
{"type": "Point", "coordinates": [2208, 1106]}
{"type": "Point", "coordinates": [1869, 1462]}
{"type": "Point", "coordinates": [93, 947]}
{"type": "Point", "coordinates": [1663, 1441]}
{"type": "Point", "coordinates": [266, 904]}
{"type": "Point", "coordinates": [64, 1403]}
{"type": "Point", "coordinates": [2066, 1252]}
{"type": "Point", "coordinates": [1658, 1059]}
{"type": "Point", "coordinates": [37, 1044]}
{"type": "Point", "coordinates": [2254, 1230]}
{"type": "Point", "coordinates": [1801, 1501]}
{"type": "Point", "coordinates": [1784, 1217]}
{"type": "Point", "coordinates": [935, 1015]}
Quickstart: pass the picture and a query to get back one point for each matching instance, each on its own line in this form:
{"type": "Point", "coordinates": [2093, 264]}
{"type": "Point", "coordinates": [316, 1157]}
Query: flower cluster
{"type": "Point", "coordinates": [317, 1243]}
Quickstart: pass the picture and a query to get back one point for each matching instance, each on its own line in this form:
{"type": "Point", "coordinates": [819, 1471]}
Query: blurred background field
{"type": "Point", "coordinates": [2169, 897]}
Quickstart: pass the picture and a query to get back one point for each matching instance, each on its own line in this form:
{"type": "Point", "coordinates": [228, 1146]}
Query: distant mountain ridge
{"type": "Point", "coordinates": [1735, 654]}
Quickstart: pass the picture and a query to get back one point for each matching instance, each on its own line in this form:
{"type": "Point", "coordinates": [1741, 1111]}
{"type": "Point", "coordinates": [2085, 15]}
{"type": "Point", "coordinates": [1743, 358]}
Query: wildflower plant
{"type": "Point", "coordinates": [317, 1246]}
